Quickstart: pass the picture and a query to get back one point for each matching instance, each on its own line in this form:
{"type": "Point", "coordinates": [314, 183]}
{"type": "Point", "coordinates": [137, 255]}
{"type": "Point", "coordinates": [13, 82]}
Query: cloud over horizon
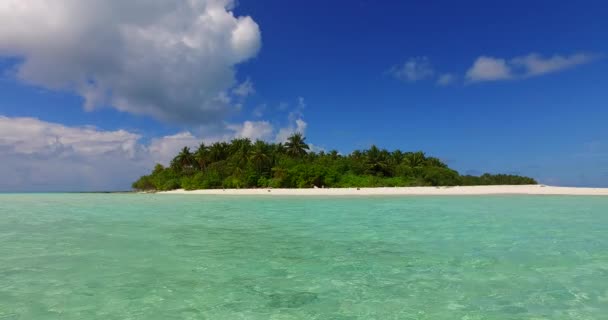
{"type": "Point", "coordinates": [171, 60]}
{"type": "Point", "coordinates": [38, 155]}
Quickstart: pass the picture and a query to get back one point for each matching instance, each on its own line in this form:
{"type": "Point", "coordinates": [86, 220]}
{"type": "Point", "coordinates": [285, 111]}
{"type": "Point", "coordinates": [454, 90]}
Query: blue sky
{"type": "Point", "coordinates": [516, 87]}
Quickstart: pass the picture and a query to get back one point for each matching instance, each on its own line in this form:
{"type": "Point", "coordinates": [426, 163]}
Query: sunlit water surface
{"type": "Point", "coordinates": [129, 256]}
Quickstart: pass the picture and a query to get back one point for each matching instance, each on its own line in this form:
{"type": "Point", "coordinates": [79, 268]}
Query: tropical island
{"type": "Point", "coordinates": [242, 163]}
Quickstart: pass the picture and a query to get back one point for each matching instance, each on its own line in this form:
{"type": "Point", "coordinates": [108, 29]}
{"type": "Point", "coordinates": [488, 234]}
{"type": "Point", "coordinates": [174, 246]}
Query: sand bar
{"type": "Point", "coordinates": [405, 191]}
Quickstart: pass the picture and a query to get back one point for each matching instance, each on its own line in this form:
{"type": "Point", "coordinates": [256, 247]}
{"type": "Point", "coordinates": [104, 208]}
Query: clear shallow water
{"type": "Point", "coordinates": [79, 256]}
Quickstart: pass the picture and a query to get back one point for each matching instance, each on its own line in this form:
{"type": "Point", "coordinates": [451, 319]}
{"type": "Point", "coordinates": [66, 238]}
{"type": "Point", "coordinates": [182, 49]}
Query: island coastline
{"type": "Point", "coordinates": [404, 191]}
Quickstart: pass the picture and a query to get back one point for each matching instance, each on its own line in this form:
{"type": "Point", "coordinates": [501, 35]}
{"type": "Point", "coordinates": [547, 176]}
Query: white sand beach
{"type": "Point", "coordinates": [404, 191]}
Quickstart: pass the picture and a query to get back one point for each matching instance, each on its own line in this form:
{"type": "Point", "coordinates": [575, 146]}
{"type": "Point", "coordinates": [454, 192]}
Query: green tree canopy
{"type": "Point", "coordinates": [243, 164]}
{"type": "Point", "coordinates": [296, 145]}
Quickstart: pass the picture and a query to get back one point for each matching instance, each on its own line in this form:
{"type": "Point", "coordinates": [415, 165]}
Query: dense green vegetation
{"type": "Point", "coordinates": [245, 164]}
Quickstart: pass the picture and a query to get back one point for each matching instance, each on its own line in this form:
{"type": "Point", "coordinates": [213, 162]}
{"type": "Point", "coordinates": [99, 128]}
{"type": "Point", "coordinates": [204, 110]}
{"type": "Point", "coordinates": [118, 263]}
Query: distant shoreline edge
{"type": "Point", "coordinates": [404, 191]}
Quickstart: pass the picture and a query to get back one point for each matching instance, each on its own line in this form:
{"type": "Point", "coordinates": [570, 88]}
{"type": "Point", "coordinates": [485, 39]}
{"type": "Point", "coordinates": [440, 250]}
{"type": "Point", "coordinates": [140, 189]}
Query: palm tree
{"type": "Point", "coordinates": [259, 155]}
{"type": "Point", "coordinates": [334, 154]}
{"type": "Point", "coordinates": [239, 150]}
{"type": "Point", "coordinates": [278, 148]}
{"type": "Point", "coordinates": [201, 155]}
{"type": "Point", "coordinates": [296, 145]}
{"type": "Point", "coordinates": [415, 159]}
{"type": "Point", "coordinates": [376, 160]}
{"type": "Point", "coordinates": [396, 157]}
{"type": "Point", "coordinates": [184, 160]}
{"type": "Point", "coordinates": [435, 162]}
{"type": "Point", "coordinates": [240, 146]}
{"type": "Point", "coordinates": [218, 151]}
{"type": "Point", "coordinates": [275, 151]}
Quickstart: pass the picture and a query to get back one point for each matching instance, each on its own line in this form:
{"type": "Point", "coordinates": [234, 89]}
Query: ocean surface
{"type": "Point", "coordinates": [132, 256]}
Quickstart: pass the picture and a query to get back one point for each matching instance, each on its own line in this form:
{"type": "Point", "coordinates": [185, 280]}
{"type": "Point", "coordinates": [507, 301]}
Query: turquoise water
{"type": "Point", "coordinates": [96, 256]}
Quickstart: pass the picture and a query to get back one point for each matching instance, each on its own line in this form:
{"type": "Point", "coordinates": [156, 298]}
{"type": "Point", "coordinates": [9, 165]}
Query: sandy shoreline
{"type": "Point", "coordinates": [404, 191]}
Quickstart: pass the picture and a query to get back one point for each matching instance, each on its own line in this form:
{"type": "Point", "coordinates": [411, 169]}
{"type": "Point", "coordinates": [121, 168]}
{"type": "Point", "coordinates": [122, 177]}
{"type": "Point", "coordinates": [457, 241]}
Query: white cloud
{"type": "Point", "coordinates": [531, 65]}
{"type": "Point", "coordinates": [488, 69]}
{"type": "Point", "coordinates": [38, 155]}
{"type": "Point", "coordinates": [534, 64]}
{"type": "Point", "coordinates": [317, 149]}
{"type": "Point", "coordinates": [254, 130]}
{"type": "Point", "coordinates": [446, 79]}
{"type": "Point", "coordinates": [43, 156]}
{"type": "Point", "coordinates": [173, 60]}
{"type": "Point", "coordinates": [414, 69]}
{"type": "Point", "coordinates": [31, 136]}
{"type": "Point", "coordinates": [295, 123]}
{"type": "Point", "coordinates": [244, 89]}
{"type": "Point", "coordinates": [298, 126]}
{"type": "Point", "coordinates": [163, 149]}
{"type": "Point", "coordinates": [298, 110]}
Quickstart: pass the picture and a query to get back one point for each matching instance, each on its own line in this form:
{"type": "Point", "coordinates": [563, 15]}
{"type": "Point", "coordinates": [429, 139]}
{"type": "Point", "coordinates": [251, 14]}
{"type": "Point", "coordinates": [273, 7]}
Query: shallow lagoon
{"type": "Point", "coordinates": [131, 256]}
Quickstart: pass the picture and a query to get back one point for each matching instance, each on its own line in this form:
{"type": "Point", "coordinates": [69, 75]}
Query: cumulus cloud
{"type": "Point", "coordinates": [42, 156]}
{"type": "Point", "coordinates": [172, 60]}
{"type": "Point", "coordinates": [414, 69]}
{"type": "Point", "coordinates": [491, 69]}
{"type": "Point", "coordinates": [38, 155]}
{"type": "Point", "coordinates": [254, 130]}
